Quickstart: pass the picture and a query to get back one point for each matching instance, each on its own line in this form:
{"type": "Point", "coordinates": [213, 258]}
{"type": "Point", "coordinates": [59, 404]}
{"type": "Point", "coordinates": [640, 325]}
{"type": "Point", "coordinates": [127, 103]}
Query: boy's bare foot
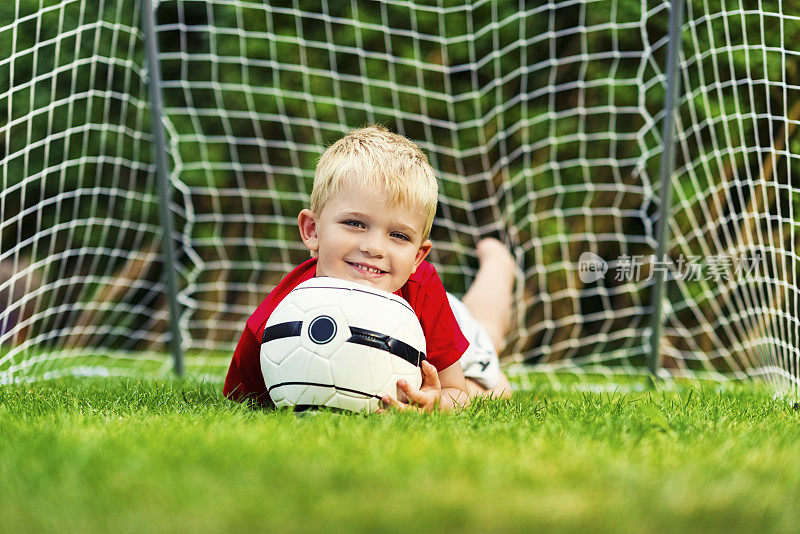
{"type": "Point", "coordinates": [493, 250]}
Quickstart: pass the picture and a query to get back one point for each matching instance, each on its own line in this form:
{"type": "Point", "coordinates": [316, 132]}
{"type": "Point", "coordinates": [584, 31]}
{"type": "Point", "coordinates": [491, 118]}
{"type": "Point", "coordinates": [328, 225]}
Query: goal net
{"type": "Point", "coordinates": [542, 119]}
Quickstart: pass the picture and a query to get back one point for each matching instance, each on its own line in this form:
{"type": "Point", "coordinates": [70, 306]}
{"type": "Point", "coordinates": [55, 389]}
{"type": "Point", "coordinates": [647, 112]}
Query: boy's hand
{"type": "Point", "coordinates": [428, 397]}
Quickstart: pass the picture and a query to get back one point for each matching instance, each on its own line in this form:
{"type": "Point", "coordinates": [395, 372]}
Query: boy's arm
{"type": "Point", "coordinates": [455, 393]}
{"type": "Point", "coordinates": [444, 390]}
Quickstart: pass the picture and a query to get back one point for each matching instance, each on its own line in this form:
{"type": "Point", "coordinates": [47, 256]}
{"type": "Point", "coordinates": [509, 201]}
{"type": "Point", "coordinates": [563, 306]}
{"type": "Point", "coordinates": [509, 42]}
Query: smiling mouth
{"type": "Point", "coordinates": [365, 268]}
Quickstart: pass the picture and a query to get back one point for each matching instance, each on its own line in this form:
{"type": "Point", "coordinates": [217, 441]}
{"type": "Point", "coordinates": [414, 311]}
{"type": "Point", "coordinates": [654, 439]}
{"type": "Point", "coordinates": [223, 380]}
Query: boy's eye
{"type": "Point", "coordinates": [354, 224]}
{"type": "Point", "coordinates": [399, 235]}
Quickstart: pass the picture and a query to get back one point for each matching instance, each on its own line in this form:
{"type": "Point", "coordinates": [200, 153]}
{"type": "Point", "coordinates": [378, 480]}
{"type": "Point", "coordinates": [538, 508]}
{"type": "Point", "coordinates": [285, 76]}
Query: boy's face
{"type": "Point", "coordinates": [359, 236]}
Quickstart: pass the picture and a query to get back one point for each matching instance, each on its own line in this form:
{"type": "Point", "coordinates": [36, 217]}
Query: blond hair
{"type": "Point", "coordinates": [375, 157]}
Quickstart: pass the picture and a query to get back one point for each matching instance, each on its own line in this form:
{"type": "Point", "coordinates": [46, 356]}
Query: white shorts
{"type": "Point", "coordinates": [479, 361]}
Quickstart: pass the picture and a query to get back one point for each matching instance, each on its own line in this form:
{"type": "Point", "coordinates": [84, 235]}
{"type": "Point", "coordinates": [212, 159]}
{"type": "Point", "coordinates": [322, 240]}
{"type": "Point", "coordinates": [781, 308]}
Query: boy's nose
{"type": "Point", "coordinates": [372, 245]}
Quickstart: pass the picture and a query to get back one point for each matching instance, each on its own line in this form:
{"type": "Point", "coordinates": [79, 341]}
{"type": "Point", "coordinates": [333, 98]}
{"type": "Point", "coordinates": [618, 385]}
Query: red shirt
{"type": "Point", "coordinates": [424, 292]}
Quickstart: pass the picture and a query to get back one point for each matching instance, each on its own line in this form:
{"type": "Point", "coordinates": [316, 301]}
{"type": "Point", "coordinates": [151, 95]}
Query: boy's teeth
{"type": "Point", "coordinates": [369, 269]}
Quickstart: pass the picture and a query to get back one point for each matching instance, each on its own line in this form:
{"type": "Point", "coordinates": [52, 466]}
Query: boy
{"type": "Point", "coordinates": [372, 207]}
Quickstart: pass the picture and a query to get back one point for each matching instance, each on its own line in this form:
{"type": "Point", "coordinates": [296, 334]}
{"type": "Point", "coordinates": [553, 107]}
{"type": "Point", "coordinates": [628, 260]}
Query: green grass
{"type": "Point", "coordinates": [127, 456]}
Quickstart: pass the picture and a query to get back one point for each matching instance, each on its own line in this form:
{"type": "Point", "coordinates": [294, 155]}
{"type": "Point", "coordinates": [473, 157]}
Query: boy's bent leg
{"type": "Point", "coordinates": [490, 297]}
{"type": "Point", "coordinates": [489, 300]}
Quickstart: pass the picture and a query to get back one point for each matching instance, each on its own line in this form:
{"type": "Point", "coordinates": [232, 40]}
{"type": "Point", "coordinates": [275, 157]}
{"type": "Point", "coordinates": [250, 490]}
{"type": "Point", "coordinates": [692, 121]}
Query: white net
{"type": "Point", "coordinates": [735, 194]}
{"type": "Point", "coordinates": [543, 121]}
{"type": "Point", "coordinates": [78, 269]}
{"type": "Point", "coordinates": [538, 151]}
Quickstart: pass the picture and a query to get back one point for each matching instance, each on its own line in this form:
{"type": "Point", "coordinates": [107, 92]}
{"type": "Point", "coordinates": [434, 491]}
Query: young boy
{"type": "Point", "coordinates": [372, 207]}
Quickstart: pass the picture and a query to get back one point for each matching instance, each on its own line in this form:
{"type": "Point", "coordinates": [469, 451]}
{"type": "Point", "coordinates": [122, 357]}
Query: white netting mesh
{"type": "Point", "coordinates": [77, 264]}
{"type": "Point", "coordinates": [543, 121]}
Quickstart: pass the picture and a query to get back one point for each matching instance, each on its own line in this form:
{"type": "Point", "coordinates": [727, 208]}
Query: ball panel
{"type": "Point", "coordinates": [310, 299]}
{"type": "Point", "coordinates": [285, 312]}
{"type": "Point", "coordinates": [281, 402]}
{"type": "Point", "coordinates": [277, 350]}
{"type": "Point", "coordinates": [350, 366]}
{"type": "Point", "coordinates": [353, 403]}
{"type": "Point", "coordinates": [389, 387]}
{"type": "Point", "coordinates": [286, 394]}
{"type": "Point", "coordinates": [380, 370]}
{"type": "Point", "coordinates": [322, 329]}
{"type": "Point", "coordinates": [315, 395]}
{"type": "Point", "coordinates": [304, 366]}
{"type": "Point", "coordinates": [408, 332]}
{"type": "Point", "coordinates": [340, 336]}
{"type": "Point", "coordinates": [401, 367]}
{"type": "Point", "coordinates": [384, 315]}
{"type": "Point", "coordinates": [318, 369]}
{"type": "Point", "coordinates": [359, 307]}
{"type": "Point", "coordinates": [270, 370]}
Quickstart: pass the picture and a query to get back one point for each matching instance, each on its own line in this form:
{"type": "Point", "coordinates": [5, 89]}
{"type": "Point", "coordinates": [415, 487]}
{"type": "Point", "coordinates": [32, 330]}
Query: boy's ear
{"type": "Point", "coordinates": [422, 253]}
{"type": "Point", "coordinates": [307, 223]}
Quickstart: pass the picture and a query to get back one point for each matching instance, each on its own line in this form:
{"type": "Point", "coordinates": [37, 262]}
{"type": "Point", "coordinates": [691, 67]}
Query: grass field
{"type": "Point", "coordinates": [127, 456]}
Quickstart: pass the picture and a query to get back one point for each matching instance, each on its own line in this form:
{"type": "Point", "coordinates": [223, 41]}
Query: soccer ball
{"type": "Point", "coordinates": [341, 345]}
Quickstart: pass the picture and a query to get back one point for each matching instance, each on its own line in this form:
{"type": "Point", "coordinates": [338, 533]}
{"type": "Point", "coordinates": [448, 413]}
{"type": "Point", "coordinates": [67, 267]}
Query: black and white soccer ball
{"type": "Point", "coordinates": [341, 345]}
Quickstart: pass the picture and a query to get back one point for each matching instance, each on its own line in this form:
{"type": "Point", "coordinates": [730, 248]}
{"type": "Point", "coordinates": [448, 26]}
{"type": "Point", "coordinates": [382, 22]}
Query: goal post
{"type": "Point", "coordinates": [543, 120]}
{"type": "Point", "coordinates": [666, 170]}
